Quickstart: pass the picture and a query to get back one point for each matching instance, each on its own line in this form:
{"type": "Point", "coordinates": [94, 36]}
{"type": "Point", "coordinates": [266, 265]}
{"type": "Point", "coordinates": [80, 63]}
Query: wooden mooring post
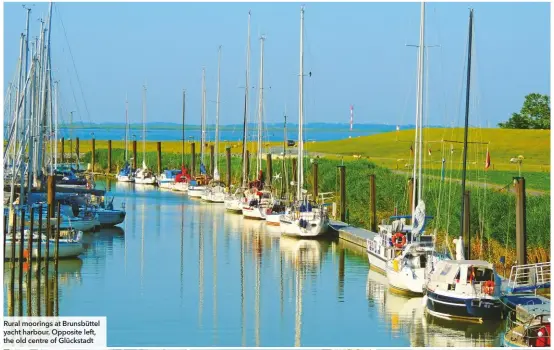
{"type": "Point", "coordinates": [521, 221]}
{"type": "Point", "coordinates": [247, 165]}
{"type": "Point", "coordinates": [212, 160]}
{"type": "Point", "coordinates": [20, 259]}
{"type": "Point", "coordinates": [39, 258]}
{"type": "Point", "coordinates": [57, 245]}
{"type": "Point", "coordinates": [342, 189]}
{"type": "Point", "coordinates": [6, 218]}
{"type": "Point", "coordinates": [193, 153]}
{"type": "Point", "coordinates": [159, 149]}
{"type": "Point", "coordinates": [315, 167]}
{"type": "Point", "coordinates": [77, 150]}
{"type": "Point", "coordinates": [63, 151]}
{"type": "Point", "coordinates": [12, 275]}
{"type": "Point", "coordinates": [269, 164]}
{"type": "Point", "coordinates": [467, 229]}
{"type": "Point", "coordinates": [373, 202]}
{"type": "Point", "coordinates": [228, 157]}
{"type": "Point", "coordinates": [109, 156]}
{"type": "Point", "coordinates": [93, 154]}
{"type": "Point", "coordinates": [134, 154]}
{"type": "Point", "coordinates": [30, 262]}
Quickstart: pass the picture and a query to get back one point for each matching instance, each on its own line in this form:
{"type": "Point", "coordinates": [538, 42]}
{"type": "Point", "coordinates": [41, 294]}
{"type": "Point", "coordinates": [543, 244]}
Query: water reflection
{"type": "Point", "coordinates": [148, 278]}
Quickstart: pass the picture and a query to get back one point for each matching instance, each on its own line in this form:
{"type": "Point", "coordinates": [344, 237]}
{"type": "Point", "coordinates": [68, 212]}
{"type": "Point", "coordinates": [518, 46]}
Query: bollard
{"type": "Point", "coordinates": [269, 165]}
{"type": "Point", "coordinates": [109, 156]}
{"type": "Point", "coordinates": [212, 160]}
{"type": "Point", "coordinates": [466, 229]}
{"type": "Point", "coordinates": [315, 167]}
{"type": "Point", "coordinates": [193, 152]}
{"type": "Point", "coordinates": [93, 154]}
{"type": "Point", "coordinates": [63, 151]}
{"type": "Point", "coordinates": [521, 221]}
{"type": "Point", "coordinates": [159, 149]}
{"type": "Point", "coordinates": [77, 150]}
{"type": "Point", "coordinates": [342, 174]}
{"type": "Point", "coordinates": [228, 156]}
{"type": "Point", "coordinates": [372, 202]}
{"type": "Point", "coordinates": [134, 154]}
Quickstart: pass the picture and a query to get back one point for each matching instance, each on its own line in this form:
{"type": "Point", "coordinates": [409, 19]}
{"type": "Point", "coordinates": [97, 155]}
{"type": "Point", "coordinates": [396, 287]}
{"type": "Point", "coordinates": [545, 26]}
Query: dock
{"type": "Point", "coordinates": [352, 234]}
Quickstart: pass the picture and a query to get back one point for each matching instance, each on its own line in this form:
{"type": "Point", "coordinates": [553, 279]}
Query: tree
{"type": "Point", "coordinates": [535, 114]}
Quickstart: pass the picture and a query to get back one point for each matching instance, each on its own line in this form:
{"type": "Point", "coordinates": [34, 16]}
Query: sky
{"type": "Point", "coordinates": [357, 54]}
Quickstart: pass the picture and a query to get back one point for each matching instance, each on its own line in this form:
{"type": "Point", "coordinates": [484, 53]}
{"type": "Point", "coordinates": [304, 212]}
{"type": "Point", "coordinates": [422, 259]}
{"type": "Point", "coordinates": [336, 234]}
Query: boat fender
{"type": "Point", "coordinates": [399, 240]}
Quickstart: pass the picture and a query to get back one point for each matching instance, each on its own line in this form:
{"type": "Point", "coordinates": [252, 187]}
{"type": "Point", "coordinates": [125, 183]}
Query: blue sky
{"type": "Point", "coordinates": [356, 52]}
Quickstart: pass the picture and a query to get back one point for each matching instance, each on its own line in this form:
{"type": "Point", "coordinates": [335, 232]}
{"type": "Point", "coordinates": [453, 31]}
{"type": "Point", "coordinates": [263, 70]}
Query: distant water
{"type": "Point", "coordinates": [180, 272]}
{"type": "Point", "coordinates": [228, 133]}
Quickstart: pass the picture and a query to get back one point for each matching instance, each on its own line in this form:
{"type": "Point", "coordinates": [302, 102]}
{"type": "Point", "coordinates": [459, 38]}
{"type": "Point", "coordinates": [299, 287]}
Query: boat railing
{"type": "Point", "coordinates": [530, 277]}
{"type": "Point", "coordinates": [533, 333]}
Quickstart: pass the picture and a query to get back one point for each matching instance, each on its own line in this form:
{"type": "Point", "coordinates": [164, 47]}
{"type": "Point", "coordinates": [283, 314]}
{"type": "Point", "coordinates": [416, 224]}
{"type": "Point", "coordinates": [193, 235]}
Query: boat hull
{"type": "Point", "coordinates": [111, 218]}
{"type": "Point", "coordinates": [233, 205]}
{"type": "Point", "coordinates": [125, 178]}
{"type": "Point", "coordinates": [406, 280]}
{"type": "Point", "coordinates": [196, 191]}
{"type": "Point", "coordinates": [273, 219]}
{"type": "Point", "coordinates": [66, 249]}
{"type": "Point", "coordinates": [145, 180]}
{"type": "Point", "coordinates": [180, 187]}
{"type": "Point", "coordinates": [463, 309]}
{"type": "Point", "coordinates": [377, 262]}
{"type": "Point", "coordinates": [255, 213]}
{"type": "Point", "coordinates": [313, 227]}
{"type": "Point", "coordinates": [168, 185]}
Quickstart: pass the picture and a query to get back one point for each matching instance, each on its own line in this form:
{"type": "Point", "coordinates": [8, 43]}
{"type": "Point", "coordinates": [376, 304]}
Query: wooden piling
{"type": "Point", "coordinates": [342, 180]}
{"type": "Point", "coordinates": [51, 192]}
{"type": "Point", "coordinates": [30, 263]}
{"type": "Point", "coordinates": [467, 229]}
{"type": "Point", "coordinates": [134, 154]}
{"type": "Point", "coordinates": [315, 167]}
{"type": "Point", "coordinates": [228, 156]}
{"type": "Point", "coordinates": [109, 156]}
{"type": "Point", "coordinates": [341, 271]}
{"type": "Point", "coordinates": [77, 150]}
{"type": "Point", "coordinates": [193, 153]}
{"type": "Point", "coordinates": [373, 202]}
{"type": "Point", "coordinates": [57, 246]}
{"type": "Point", "coordinates": [521, 221]}
{"type": "Point", "coordinates": [269, 164]}
{"type": "Point", "coordinates": [47, 253]}
{"type": "Point", "coordinates": [212, 160]}
{"type": "Point", "coordinates": [159, 149]}
{"type": "Point", "coordinates": [12, 275]}
{"type": "Point", "coordinates": [93, 153]}
{"type": "Point", "coordinates": [63, 151]}
{"type": "Point", "coordinates": [20, 259]}
{"type": "Point", "coordinates": [39, 258]}
{"type": "Point", "coordinates": [6, 218]}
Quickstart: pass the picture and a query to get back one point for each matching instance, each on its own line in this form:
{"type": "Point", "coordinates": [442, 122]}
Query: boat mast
{"type": "Point", "coordinates": [300, 162]}
{"type": "Point", "coordinates": [260, 106]}
{"type": "Point", "coordinates": [203, 117]}
{"type": "Point", "coordinates": [217, 115]}
{"type": "Point", "coordinates": [126, 128]}
{"type": "Point", "coordinates": [144, 126]}
{"type": "Point", "coordinates": [285, 180]}
{"type": "Point", "coordinates": [19, 96]}
{"type": "Point", "coordinates": [183, 131]}
{"type": "Point", "coordinates": [419, 116]}
{"type": "Point", "coordinates": [245, 126]}
{"type": "Point", "coordinates": [468, 85]}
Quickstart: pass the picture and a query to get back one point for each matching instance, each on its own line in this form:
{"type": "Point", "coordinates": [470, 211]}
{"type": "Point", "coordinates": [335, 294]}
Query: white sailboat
{"type": "Point", "coordinates": [181, 183]}
{"type": "Point", "coordinates": [302, 219]}
{"type": "Point", "coordinates": [215, 191]}
{"type": "Point", "coordinates": [233, 202]}
{"type": "Point", "coordinates": [144, 175]}
{"type": "Point", "coordinates": [258, 200]}
{"type": "Point", "coordinates": [198, 185]}
{"type": "Point", "coordinates": [126, 174]}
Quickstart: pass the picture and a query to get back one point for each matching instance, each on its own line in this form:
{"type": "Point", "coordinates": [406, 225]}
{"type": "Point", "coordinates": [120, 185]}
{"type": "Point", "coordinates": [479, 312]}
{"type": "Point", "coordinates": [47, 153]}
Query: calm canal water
{"type": "Point", "coordinates": [180, 272]}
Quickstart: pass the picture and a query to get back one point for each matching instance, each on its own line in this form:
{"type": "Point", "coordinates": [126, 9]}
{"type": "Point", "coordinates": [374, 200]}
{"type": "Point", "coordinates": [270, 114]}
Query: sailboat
{"type": "Point", "coordinates": [279, 208]}
{"type": "Point", "coordinates": [144, 175]}
{"type": "Point", "coordinates": [233, 202]}
{"type": "Point", "coordinates": [198, 185]}
{"type": "Point", "coordinates": [182, 179]}
{"type": "Point", "coordinates": [409, 269]}
{"type": "Point", "coordinates": [301, 218]}
{"type": "Point", "coordinates": [126, 174]}
{"type": "Point", "coordinates": [467, 290]}
{"type": "Point", "coordinates": [259, 200]}
{"type": "Point", "coordinates": [215, 192]}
